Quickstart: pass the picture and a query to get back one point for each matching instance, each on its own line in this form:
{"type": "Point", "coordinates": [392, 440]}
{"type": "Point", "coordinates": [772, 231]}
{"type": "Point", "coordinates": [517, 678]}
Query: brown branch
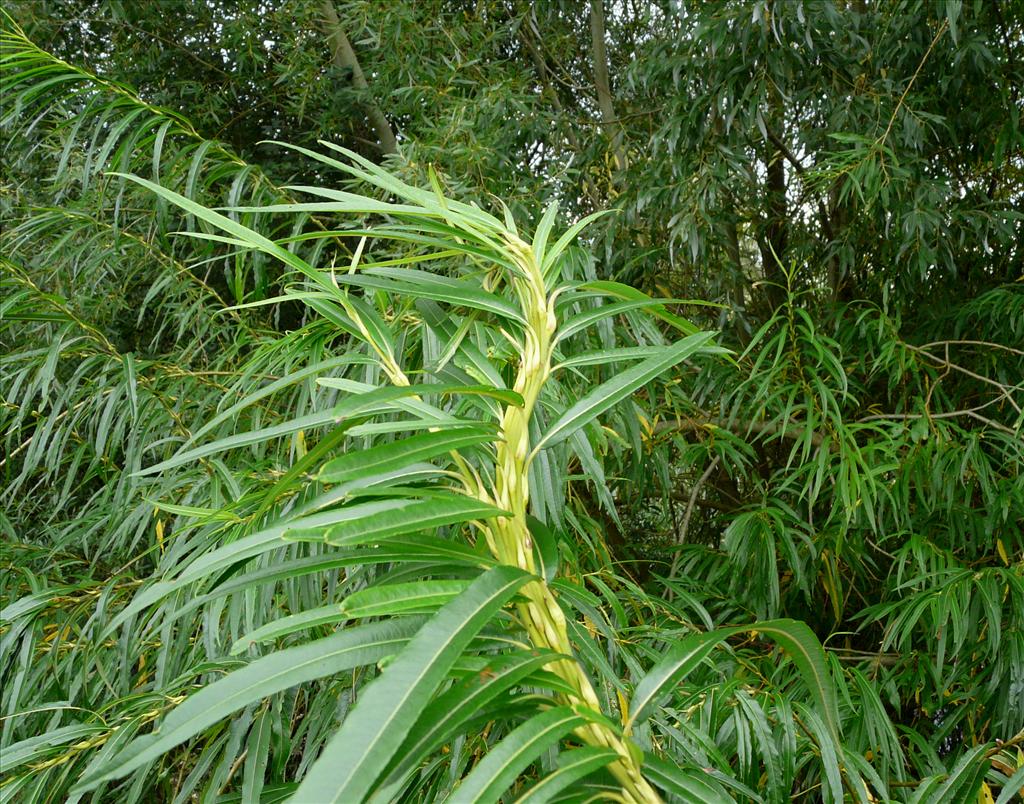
{"type": "Point", "coordinates": [950, 414]}
{"type": "Point", "coordinates": [826, 223]}
{"type": "Point", "coordinates": [345, 58]}
{"type": "Point", "coordinates": [989, 344]}
{"type": "Point", "coordinates": [1004, 390]}
{"type": "Point", "coordinates": [857, 656]}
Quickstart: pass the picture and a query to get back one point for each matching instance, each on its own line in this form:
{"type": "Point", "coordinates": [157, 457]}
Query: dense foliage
{"type": "Point", "coordinates": [591, 401]}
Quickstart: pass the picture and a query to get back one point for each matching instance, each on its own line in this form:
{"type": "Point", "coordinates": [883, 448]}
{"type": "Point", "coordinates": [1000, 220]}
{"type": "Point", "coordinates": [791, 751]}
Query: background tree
{"type": "Point", "coordinates": [842, 182]}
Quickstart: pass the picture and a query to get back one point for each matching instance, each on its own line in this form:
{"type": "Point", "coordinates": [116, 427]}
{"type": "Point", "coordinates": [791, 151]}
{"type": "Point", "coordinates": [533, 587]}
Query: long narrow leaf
{"type": "Point", "coordinates": [506, 760]}
{"type": "Point", "coordinates": [400, 517]}
{"type": "Point", "coordinates": [443, 719]}
{"type": "Point", "coordinates": [681, 659]}
{"type": "Point", "coordinates": [572, 767]}
{"type": "Point", "coordinates": [386, 457]}
{"type": "Point", "coordinates": [608, 394]}
{"type": "Point", "coordinates": [376, 728]}
{"type": "Point", "coordinates": [350, 648]}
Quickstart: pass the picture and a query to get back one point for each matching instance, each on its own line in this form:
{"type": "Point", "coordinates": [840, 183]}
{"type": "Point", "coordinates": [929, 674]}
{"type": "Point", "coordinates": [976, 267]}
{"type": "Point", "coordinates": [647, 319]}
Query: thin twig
{"type": "Point", "coordinates": [1004, 390]}
{"type": "Point", "coordinates": [793, 431]}
{"type": "Point", "coordinates": [942, 29]}
{"type": "Point", "coordinates": [681, 537]}
{"type": "Point", "coordinates": [973, 343]}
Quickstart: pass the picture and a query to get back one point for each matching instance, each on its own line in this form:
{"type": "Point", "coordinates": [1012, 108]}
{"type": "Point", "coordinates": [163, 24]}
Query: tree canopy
{"type": "Point", "coordinates": [503, 401]}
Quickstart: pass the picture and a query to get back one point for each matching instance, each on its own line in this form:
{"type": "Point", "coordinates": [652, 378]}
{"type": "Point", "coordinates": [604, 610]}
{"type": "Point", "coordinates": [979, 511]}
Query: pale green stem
{"type": "Point", "coordinates": [509, 537]}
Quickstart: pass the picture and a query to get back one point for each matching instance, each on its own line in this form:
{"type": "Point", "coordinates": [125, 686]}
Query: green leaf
{"type": "Point", "coordinates": [306, 422]}
{"type": "Point", "coordinates": [379, 397]}
{"type": "Point", "coordinates": [503, 763]}
{"type": "Point", "coordinates": [807, 654]}
{"type": "Point", "coordinates": [424, 285]}
{"type": "Point", "coordinates": [602, 357]}
{"type": "Point", "coordinates": [798, 641]}
{"type": "Point", "coordinates": [445, 717]}
{"type": "Point", "coordinates": [36, 748]}
{"type": "Point", "coordinates": [202, 514]}
{"type": "Point", "coordinates": [360, 751]}
{"type": "Point", "coordinates": [628, 293]}
{"type": "Point", "coordinates": [679, 660]}
{"type": "Point", "coordinates": [1012, 787]}
{"type": "Point", "coordinates": [245, 548]}
{"type": "Point", "coordinates": [552, 254]}
{"type": "Point", "coordinates": [965, 779]}
{"type": "Point", "coordinates": [545, 545]}
{"type": "Point", "coordinates": [572, 766]}
{"type": "Point", "coordinates": [322, 615]}
{"type": "Point", "coordinates": [828, 750]}
{"type": "Point", "coordinates": [387, 457]}
{"type": "Point", "coordinates": [277, 385]}
{"type": "Point", "coordinates": [609, 393]}
{"type": "Point", "coordinates": [692, 786]}
{"type": "Point", "coordinates": [396, 549]}
{"type": "Point", "coordinates": [350, 648]}
{"type": "Point", "coordinates": [257, 754]}
{"type": "Point", "coordinates": [402, 598]}
{"type": "Point", "coordinates": [540, 237]}
{"type": "Point", "coordinates": [588, 318]}
{"type": "Point", "coordinates": [242, 233]}
{"type": "Point", "coordinates": [371, 522]}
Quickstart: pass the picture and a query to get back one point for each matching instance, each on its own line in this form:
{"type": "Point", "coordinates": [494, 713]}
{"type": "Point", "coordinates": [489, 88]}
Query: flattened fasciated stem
{"type": "Point", "coordinates": [509, 537]}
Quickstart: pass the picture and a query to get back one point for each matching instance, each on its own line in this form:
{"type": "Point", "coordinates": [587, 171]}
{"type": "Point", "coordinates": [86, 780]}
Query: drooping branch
{"type": "Point", "coordinates": [345, 58]}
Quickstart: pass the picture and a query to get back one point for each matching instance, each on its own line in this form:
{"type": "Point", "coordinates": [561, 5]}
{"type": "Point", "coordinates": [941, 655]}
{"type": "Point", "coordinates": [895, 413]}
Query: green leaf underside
{"type": "Point", "coordinates": [573, 766]}
{"type": "Point", "coordinates": [402, 598]}
{"type": "Point", "coordinates": [380, 399]}
{"type": "Point", "coordinates": [401, 453]}
{"type": "Point", "coordinates": [322, 615]}
{"type": "Point", "coordinates": [420, 284]}
{"type": "Point", "coordinates": [445, 717]}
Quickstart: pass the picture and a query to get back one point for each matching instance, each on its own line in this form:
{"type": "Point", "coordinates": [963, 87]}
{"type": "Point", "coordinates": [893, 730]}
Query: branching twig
{"type": "Point", "coordinates": [792, 431]}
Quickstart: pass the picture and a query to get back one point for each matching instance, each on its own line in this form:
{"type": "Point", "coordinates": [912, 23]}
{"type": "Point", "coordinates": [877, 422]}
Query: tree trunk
{"type": "Point", "coordinates": [774, 235]}
{"type": "Point", "coordinates": [345, 58]}
{"type": "Point", "coordinates": [603, 84]}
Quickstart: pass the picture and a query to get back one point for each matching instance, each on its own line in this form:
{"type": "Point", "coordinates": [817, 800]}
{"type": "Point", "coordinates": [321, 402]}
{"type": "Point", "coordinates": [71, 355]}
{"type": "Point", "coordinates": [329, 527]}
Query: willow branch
{"type": "Point", "coordinates": [792, 431]}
